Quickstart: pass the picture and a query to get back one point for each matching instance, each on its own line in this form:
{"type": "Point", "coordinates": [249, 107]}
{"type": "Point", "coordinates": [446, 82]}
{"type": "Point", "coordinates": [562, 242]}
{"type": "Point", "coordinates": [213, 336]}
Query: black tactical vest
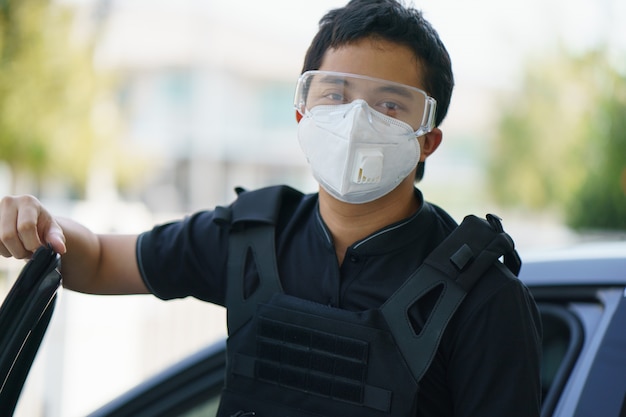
{"type": "Point", "coordinates": [291, 357]}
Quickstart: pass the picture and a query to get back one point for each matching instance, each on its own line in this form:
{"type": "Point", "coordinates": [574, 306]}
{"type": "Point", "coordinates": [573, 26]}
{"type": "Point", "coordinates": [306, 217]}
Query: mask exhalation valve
{"type": "Point", "coordinates": [368, 166]}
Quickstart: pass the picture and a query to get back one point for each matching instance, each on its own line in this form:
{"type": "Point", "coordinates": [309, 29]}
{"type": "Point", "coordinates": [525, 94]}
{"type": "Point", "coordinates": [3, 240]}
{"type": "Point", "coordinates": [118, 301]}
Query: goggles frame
{"type": "Point", "coordinates": [426, 124]}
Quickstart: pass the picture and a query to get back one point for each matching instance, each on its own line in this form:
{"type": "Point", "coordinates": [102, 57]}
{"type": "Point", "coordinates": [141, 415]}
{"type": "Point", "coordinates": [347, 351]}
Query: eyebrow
{"type": "Point", "coordinates": [401, 91]}
{"type": "Point", "coordinates": [331, 79]}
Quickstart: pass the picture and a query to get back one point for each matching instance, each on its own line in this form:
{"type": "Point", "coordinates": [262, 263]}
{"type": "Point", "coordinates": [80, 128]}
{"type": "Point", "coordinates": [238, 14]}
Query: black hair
{"type": "Point", "coordinates": [394, 22]}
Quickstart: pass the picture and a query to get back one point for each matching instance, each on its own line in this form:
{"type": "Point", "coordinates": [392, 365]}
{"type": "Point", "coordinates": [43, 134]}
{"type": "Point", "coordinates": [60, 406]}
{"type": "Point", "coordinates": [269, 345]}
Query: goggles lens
{"type": "Point", "coordinates": [405, 103]}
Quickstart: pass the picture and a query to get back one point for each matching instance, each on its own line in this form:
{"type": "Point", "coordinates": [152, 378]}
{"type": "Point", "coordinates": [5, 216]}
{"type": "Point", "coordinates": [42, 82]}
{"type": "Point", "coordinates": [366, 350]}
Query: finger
{"type": "Point", "coordinates": [27, 221]}
{"type": "Point", "coordinates": [56, 238]}
{"type": "Point", "coordinates": [4, 251]}
{"type": "Point", "coordinates": [11, 244]}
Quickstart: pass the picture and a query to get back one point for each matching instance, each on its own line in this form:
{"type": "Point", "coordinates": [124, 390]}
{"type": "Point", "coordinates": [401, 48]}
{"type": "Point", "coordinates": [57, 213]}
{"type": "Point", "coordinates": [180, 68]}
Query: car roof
{"type": "Point", "coordinates": [590, 263]}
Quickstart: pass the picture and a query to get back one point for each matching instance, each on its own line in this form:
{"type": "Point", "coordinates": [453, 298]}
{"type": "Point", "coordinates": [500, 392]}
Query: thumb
{"type": "Point", "coordinates": [56, 238]}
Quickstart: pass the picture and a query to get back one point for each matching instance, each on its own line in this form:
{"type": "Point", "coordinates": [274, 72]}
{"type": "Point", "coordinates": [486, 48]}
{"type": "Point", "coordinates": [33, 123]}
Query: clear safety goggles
{"type": "Point", "coordinates": [327, 88]}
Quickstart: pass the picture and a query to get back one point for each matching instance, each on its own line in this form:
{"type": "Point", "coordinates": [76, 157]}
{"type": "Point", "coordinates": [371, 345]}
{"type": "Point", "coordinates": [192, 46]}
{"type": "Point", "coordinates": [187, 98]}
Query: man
{"type": "Point", "coordinates": [376, 83]}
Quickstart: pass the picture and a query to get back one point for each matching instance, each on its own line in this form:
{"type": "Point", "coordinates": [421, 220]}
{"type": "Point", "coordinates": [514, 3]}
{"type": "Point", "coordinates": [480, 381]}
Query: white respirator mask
{"type": "Point", "coordinates": [356, 153]}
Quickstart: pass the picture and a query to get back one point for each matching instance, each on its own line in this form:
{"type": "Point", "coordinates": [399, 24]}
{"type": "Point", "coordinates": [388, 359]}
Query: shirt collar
{"type": "Point", "coordinates": [392, 237]}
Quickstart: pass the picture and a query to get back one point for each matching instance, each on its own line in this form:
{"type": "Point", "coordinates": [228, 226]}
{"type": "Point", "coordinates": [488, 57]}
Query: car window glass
{"type": "Point", "coordinates": [206, 409]}
{"type": "Point", "coordinates": [561, 345]}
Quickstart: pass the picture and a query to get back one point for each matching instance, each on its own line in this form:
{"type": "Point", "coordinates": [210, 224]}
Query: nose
{"type": "Point", "coordinates": [360, 105]}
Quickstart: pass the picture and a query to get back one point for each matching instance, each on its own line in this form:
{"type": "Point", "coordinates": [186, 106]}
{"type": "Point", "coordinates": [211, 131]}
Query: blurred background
{"type": "Point", "coordinates": [124, 114]}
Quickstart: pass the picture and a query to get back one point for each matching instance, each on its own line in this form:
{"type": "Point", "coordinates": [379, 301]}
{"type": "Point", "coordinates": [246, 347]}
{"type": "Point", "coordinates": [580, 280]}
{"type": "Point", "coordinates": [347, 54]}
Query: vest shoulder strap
{"type": "Point", "coordinates": [251, 220]}
{"type": "Point", "coordinates": [258, 206]}
{"type": "Point", "coordinates": [451, 269]}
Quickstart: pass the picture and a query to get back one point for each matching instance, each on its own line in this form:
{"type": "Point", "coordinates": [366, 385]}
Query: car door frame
{"type": "Point", "coordinates": [24, 318]}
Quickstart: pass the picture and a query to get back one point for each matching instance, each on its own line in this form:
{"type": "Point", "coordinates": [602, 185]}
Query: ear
{"type": "Point", "coordinates": [430, 142]}
{"type": "Point", "coordinates": [298, 116]}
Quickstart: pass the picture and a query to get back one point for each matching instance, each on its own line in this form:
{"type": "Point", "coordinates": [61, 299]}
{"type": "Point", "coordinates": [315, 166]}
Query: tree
{"type": "Point", "coordinates": [560, 141]}
{"type": "Point", "coordinates": [47, 89]}
{"type": "Point", "coordinates": [600, 202]}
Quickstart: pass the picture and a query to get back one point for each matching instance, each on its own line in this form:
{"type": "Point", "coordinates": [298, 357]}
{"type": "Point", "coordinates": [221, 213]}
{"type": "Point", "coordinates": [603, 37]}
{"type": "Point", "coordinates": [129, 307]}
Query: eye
{"type": "Point", "coordinates": [335, 97]}
{"type": "Point", "coordinates": [390, 108]}
{"type": "Point", "coordinates": [390, 105]}
{"type": "Point", "coordinates": [327, 96]}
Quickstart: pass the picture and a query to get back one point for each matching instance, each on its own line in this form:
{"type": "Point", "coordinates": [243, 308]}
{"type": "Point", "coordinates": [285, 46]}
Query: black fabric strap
{"type": "Point", "coordinates": [373, 397]}
{"type": "Point", "coordinates": [453, 268]}
{"type": "Point", "coordinates": [419, 349]}
{"type": "Point", "coordinates": [251, 220]}
{"type": "Point", "coordinates": [259, 240]}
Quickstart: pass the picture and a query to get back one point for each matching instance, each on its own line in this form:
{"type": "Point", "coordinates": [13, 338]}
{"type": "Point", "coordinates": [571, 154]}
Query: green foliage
{"type": "Point", "coordinates": [600, 202]}
{"type": "Point", "coordinates": [47, 90]}
{"type": "Point", "coordinates": [560, 141]}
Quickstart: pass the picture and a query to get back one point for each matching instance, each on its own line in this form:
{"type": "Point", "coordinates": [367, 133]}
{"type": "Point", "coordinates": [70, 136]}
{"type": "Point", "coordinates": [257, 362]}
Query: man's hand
{"type": "Point", "coordinates": [25, 225]}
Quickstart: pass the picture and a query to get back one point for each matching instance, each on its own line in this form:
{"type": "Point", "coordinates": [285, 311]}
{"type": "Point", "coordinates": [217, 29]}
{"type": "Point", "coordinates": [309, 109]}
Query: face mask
{"type": "Point", "coordinates": [357, 154]}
